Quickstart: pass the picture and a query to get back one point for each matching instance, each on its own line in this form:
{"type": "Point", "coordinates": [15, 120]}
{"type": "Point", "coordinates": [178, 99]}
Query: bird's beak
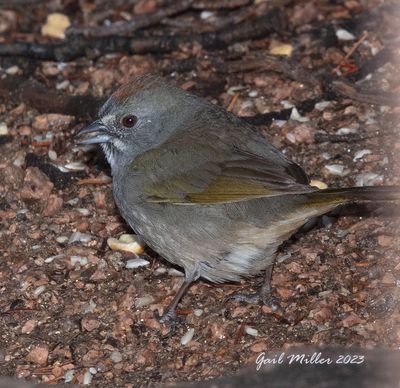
{"type": "Point", "coordinates": [99, 131]}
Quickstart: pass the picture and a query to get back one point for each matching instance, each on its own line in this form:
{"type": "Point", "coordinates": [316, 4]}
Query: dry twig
{"type": "Point", "coordinates": [38, 96]}
{"type": "Point", "coordinates": [80, 46]}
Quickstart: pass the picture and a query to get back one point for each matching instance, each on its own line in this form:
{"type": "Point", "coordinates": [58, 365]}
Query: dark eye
{"type": "Point", "coordinates": [129, 121]}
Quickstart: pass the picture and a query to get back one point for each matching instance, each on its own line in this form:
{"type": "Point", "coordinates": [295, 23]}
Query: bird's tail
{"type": "Point", "coordinates": [355, 194]}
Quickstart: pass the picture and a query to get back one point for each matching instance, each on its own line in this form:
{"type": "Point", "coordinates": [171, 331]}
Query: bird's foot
{"type": "Point", "coordinates": [265, 298]}
{"type": "Point", "coordinates": [170, 318]}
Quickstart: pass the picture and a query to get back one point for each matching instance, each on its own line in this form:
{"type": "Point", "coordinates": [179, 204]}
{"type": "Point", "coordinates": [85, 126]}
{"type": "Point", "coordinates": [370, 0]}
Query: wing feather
{"type": "Point", "coordinates": [211, 168]}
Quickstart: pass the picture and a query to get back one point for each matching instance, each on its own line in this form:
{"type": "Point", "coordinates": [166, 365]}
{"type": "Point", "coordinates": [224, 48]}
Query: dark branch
{"type": "Point", "coordinates": [76, 47]}
{"type": "Point", "coordinates": [38, 96]}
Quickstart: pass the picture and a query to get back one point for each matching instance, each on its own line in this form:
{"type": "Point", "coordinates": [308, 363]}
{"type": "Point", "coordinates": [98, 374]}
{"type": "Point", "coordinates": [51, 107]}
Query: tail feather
{"type": "Point", "coordinates": [356, 194]}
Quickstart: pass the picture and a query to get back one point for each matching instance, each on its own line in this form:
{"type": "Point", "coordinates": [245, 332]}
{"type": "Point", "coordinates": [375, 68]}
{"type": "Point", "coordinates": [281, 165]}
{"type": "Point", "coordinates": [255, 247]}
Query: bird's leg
{"type": "Point", "coordinates": [169, 315]}
{"type": "Point", "coordinates": [264, 295]}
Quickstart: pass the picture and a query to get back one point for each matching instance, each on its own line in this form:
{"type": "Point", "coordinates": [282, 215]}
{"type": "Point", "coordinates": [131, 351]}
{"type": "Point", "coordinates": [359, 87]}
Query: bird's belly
{"type": "Point", "coordinates": [204, 238]}
{"type": "Point", "coordinates": [223, 242]}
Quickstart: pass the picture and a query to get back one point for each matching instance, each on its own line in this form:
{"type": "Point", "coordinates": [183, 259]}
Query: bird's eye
{"type": "Point", "coordinates": [129, 121]}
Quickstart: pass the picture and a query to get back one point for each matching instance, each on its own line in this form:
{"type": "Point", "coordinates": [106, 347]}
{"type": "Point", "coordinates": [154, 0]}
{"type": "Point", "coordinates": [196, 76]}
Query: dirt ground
{"type": "Point", "coordinates": [70, 310]}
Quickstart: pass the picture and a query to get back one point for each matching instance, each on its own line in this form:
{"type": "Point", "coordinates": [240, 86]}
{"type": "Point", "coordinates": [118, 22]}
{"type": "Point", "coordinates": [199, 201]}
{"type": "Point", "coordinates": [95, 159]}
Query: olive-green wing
{"type": "Point", "coordinates": [215, 173]}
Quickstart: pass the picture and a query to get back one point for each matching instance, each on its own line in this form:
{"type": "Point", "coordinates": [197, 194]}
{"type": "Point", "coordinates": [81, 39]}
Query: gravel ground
{"type": "Point", "coordinates": [70, 309]}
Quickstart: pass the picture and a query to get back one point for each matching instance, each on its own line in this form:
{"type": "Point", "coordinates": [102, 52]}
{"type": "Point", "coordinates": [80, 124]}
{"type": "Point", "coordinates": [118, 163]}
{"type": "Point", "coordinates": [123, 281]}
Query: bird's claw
{"type": "Point", "coordinates": [170, 318]}
{"type": "Point", "coordinates": [266, 299]}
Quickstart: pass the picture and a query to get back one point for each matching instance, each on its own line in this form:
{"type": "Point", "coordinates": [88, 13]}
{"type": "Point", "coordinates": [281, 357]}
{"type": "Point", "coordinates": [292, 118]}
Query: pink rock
{"type": "Point", "coordinates": [50, 121]}
{"type": "Point", "coordinates": [351, 320]}
{"type": "Point", "coordinates": [37, 185]}
{"type": "Point", "coordinates": [8, 20]}
{"type": "Point", "coordinates": [53, 205]}
{"type": "Point", "coordinates": [90, 324]}
{"type": "Point", "coordinates": [38, 354]}
{"type": "Point", "coordinates": [28, 326]}
{"type": "Point", "coordinates": [303, 133]}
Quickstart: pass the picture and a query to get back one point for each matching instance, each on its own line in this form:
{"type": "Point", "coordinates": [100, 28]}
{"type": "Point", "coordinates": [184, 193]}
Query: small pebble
{"type": "Point", "coordinates": [350, 110]}
{"type": "Point", "coordinates": [116, 357]}
{"type": "Point", "coordinates": [136, 263]}
{"type": "Point", "coordinates": [37, 185]}
{"type": "Point", "coordinates": [368, 179]}
{"type": "Point", "coordinates": [89, 323]}
{"type": "Point", "coordinates": [83, 211]}
{"type": "Point", "coordinates": [351, 320]}
{"type": "Point", "coordinates": [247, 104]}
{"type": "Point", "coordinates": [175, 273]}
{"type": "Point", "coordinates": [39, 290]}
{"type": "Point", "coordinates": [62, 239]}
{"type": "Point", "coordinates": [69, 376]}
{"type": "Point", "coordinates": [344, 291]}
{"type": "Point", "coordinates": [322, 105]}
{"type": "Point", "coordinates": [234, 89]}
{"type": "Point", "coordinates": [75, 166]}
{"type": "Point", "coordinates": [63, 85]}
{"type": "Point", "coordinates": [160, 270]}
{"type": "Point", "coordinates": [251, 331]}
{"type": "Point", "coordinates": [89, 307]}
{"type": "Point", "coordinates": [360, 154]}
{"type": "Point", "coordinates": [284, 257]}
{"type": "Point", "coordinates": [258, 347]}
{"type": "Point", "coordinates": [52, 155]}
{"type": "Point", "coordinates": [78, 260]}
{"type": "Point", "coordinates": [48, 137]}
{"type": "Point", "coordinates": [326, 155]}
{"type": "Point", "coordinates": [198, 312]}
{"type": "Point", "coordinates": [3, 129]}
{"type": "Point", "coordinates": [253, 93]}
{"type": "Point", "coordinates": [143, 301]}
{"type": "Point", "coordinates": [346, 131]}
{"type": "Point", "coordinates": [324, 293]}
{"type": "Point", "coordinates": [92, 370]}
{"type": "Point", "coordinates": [50, 69]}
{"type": "Point", "coordinates": [389, 279]}
{"type": "Point", "coordinates": [280, 123]}
{"type": "Point", "coordinates": [295, 115]}
{"type": "Point", "coordinates": [72, 202]}
{"type": "Point", "coordinates": [343, 34]}
{"type": "Point", "coordinates": [50, 259]}
{"type": "Point", "coordinates": [337, 169]}
{"type": "Point", "coordinates": [126, 15]}
{"type": "Point", "coordinates": [187, 337]}
{"type": "Point", "coordinates": [79, 237]}
{"type": "Point", "coordinates": [287, 104]}
{"type": "Point", "coordinates": [18, 162]}
{"type": "Point", "coordinates": [38, 355]}
{"type": "Point", "coordinates": [87, 378]}
{"type": "Point", "coordinates": [342, 233]}
{"type": "Point", "coordinates": [52, 121]}
{"type": "Point", "coordinates": [370, 121]}
{"type": "Point", "coordinates": [206, 15]}
{"type": "Point", "coordinates": [13, 70]}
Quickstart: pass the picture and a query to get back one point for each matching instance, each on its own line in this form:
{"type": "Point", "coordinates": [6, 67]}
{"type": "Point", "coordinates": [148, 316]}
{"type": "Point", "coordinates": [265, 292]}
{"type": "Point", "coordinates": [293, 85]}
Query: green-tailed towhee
{"type": "Point", "coordinates": [203, 188]}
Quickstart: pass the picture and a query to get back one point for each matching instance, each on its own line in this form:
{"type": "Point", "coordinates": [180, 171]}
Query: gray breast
{"type": "Point", "coordinates": [224, 241]}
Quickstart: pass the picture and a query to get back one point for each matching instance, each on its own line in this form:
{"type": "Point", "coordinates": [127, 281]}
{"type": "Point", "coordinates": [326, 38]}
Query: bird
{"type": "Point", "coordinates": [203, 188]}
